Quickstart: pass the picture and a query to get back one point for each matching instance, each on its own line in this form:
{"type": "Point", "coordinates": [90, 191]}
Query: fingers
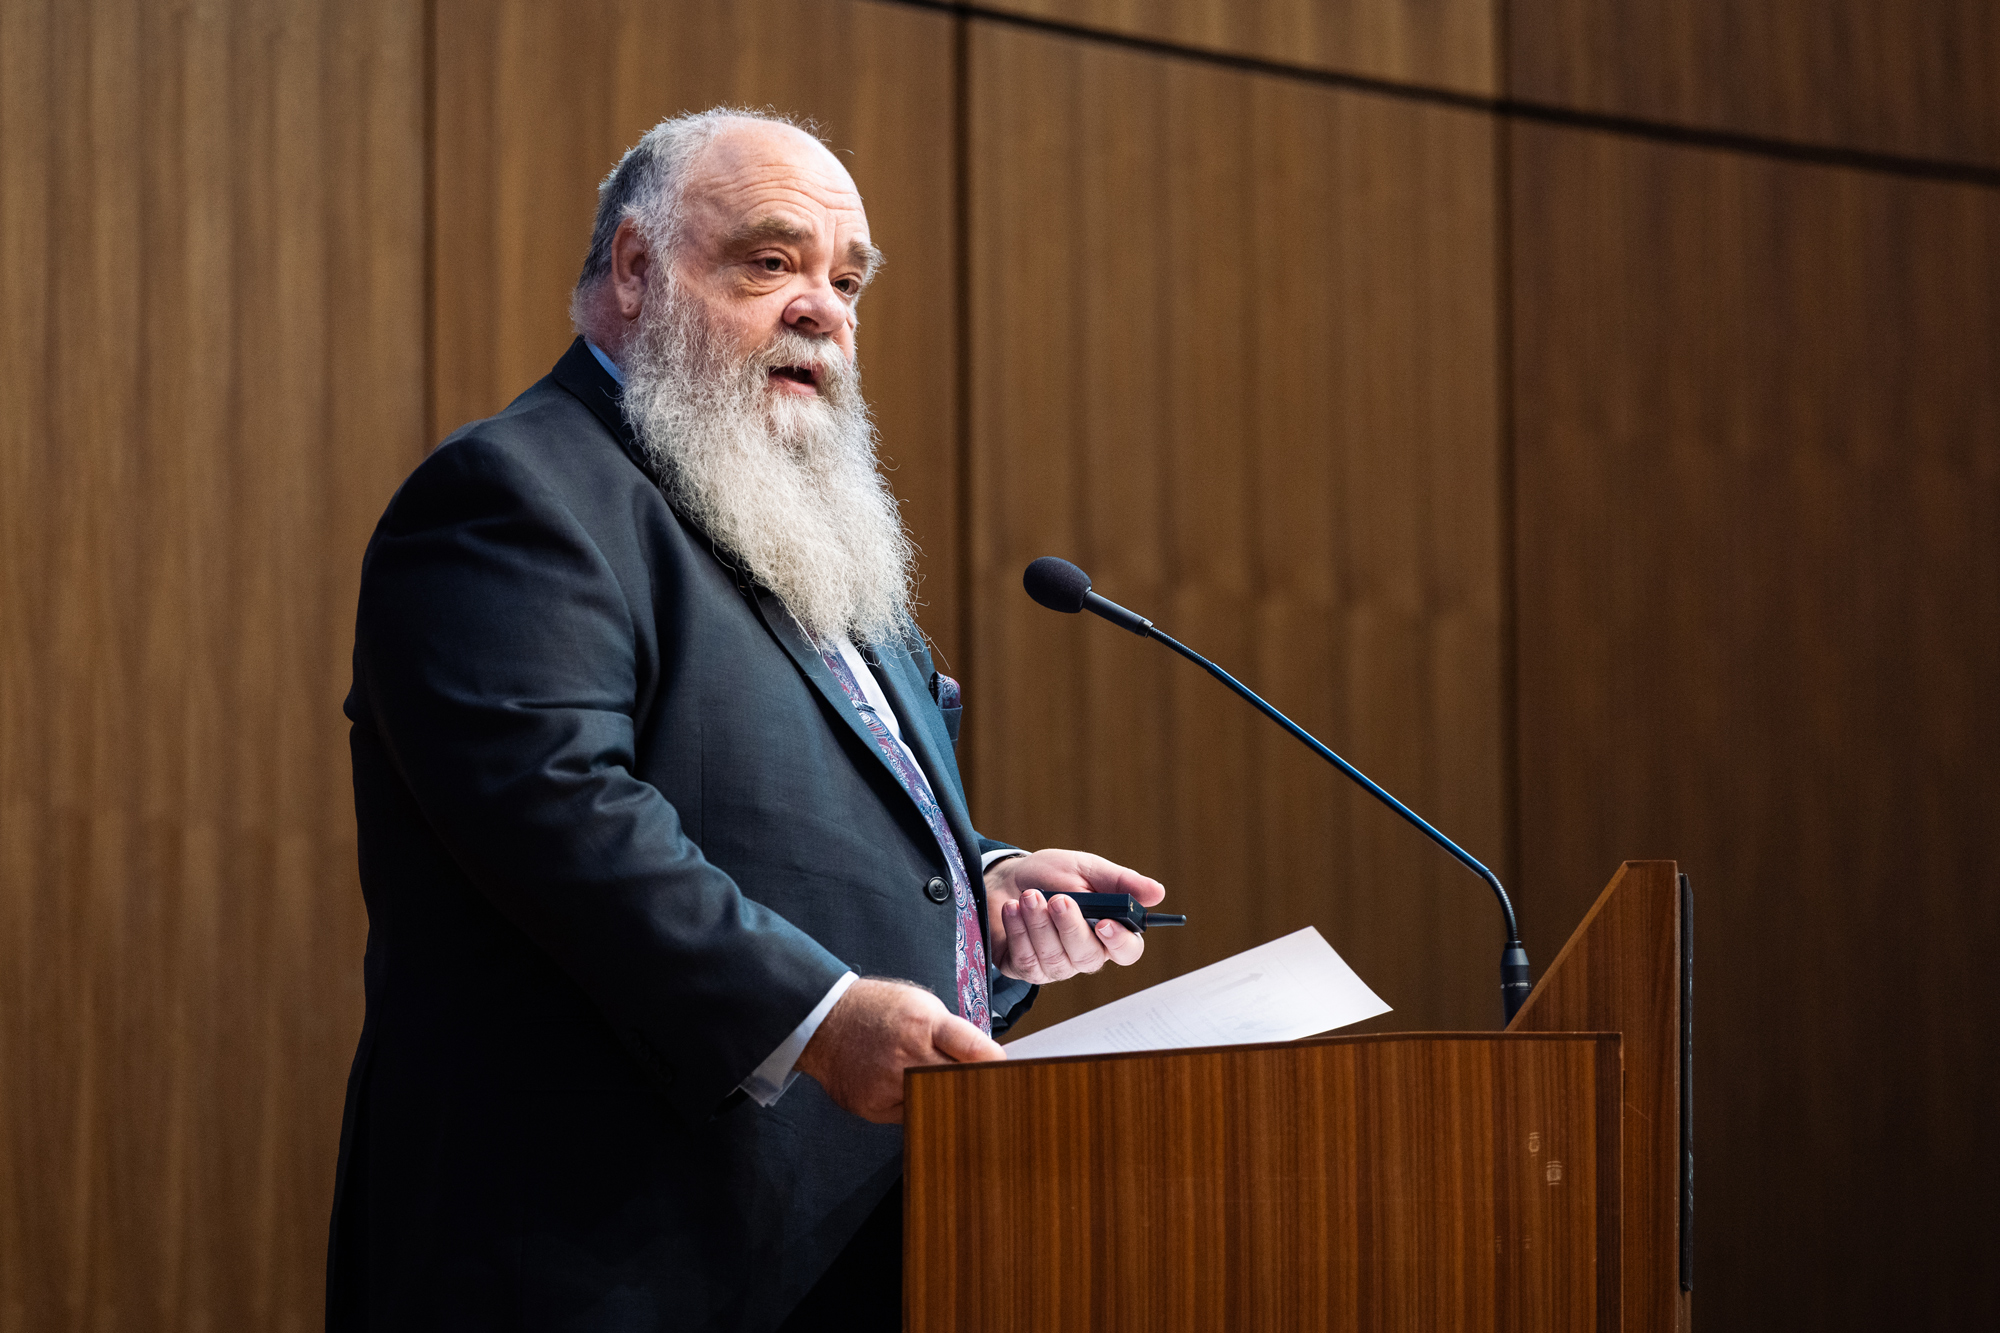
{"type": "Point", "coordinates": [1124, 946]}
{"type": "Point", "coordinates": [1035, 942]}
{"type": "Point", "coordinates": [1021, 959]}
{"type": "Point", "coordinates": [1083, 949]}
{"type": "Point", "coordinates": [959, 1040]}
{"type": "Point", "coordinates": [1049, 939]}
{"type": "Point", "coordinates": [1044, 937]}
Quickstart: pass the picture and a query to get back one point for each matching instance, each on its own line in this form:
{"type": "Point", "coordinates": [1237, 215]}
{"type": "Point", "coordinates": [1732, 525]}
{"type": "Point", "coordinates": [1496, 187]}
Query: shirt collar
{"type": "Point", "coordinates": [610, 366]}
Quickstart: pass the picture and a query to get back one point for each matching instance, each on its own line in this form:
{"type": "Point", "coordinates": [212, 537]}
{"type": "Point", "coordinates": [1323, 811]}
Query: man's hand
{"type": "Point", "coordinates": [876, 1031]}
{"type": "Point", "coordinates": [1039, 938]}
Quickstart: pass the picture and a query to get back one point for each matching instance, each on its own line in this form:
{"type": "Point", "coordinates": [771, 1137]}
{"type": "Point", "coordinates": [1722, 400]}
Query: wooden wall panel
{"type": "Point", "coordinates": [535, 104]}
{"type": "Point", "coordinates": [211, 299]}
{"type": "Point", "coordinates": [1889, 76]}
{"type": "Point", "coordinates": [1232, 350]}
{"type": "Point", "coordinates": [1439, 43]}
{"type": "Point", "coordinates": [1759, 560]}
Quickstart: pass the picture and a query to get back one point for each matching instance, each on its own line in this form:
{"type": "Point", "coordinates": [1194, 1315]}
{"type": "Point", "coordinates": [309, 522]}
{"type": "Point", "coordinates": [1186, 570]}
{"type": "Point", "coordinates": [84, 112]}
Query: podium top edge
{"type": "Point", "coordinates": [1363, 1039]}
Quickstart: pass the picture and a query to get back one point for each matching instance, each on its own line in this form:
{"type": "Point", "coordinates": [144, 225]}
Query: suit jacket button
{"type": "Point", "coordinates": [937, 890]}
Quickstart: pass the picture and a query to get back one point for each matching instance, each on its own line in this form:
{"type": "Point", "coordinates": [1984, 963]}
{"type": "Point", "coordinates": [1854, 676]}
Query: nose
{"type": "Point", "coordinates": [819, 309]}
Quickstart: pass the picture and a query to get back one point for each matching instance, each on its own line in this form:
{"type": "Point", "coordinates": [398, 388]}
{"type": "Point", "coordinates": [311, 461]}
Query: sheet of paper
{"type": "Point", "coordinates": [1290, 988]}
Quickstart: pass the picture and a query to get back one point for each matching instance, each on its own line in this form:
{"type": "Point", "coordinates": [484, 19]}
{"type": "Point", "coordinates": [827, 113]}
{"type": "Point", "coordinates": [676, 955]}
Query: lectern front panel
{"type": "Point", "coordinates": [1438, 1182]}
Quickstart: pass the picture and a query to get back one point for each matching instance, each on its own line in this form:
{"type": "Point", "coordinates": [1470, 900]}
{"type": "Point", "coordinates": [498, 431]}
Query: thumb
{"type": "Point", "coordinates": [1109, 877]}
{"type": "Point", "coordinates": [959, 1040]}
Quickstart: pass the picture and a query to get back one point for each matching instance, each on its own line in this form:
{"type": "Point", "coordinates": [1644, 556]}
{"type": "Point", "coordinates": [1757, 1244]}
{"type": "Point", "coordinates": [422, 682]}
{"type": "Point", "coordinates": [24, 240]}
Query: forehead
{"type": "Point", "coordinates": [756, 170]}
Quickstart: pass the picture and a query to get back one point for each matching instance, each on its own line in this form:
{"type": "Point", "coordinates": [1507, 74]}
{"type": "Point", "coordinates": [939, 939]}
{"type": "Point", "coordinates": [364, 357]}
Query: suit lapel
{"type": "Point", "coordinates": [579, 372]}
{"type": "Point", "coordinates": [923, 732]}
{"type": "Point", "coordinates": [922, 728]}
{"type": "Point", "coordinates": [787, 632]}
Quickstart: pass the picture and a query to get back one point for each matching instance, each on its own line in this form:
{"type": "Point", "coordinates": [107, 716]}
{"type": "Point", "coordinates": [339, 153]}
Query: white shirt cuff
{"type": "Point", "coordinates": [768, 1081]}
{"type": "Point", "coordinates": [998, 854]}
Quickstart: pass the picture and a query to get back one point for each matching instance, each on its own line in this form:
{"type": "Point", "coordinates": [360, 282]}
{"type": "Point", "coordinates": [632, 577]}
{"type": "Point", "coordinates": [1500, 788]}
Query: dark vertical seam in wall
{"type": "Point", "coordinates": [429, 178]}
{"type": "Point", "coordinates": [961, 235]}
{"type": "Point", "coordinates": [1509, 496]}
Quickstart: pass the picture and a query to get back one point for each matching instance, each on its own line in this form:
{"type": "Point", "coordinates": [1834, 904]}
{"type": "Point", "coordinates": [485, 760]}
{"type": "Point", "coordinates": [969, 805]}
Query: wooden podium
{"type": "Point", "coordinates": [1530, 1179]}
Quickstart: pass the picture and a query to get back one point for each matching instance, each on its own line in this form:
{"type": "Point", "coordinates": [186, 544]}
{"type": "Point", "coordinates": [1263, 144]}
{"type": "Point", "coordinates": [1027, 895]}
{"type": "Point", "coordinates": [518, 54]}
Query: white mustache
{"type": "Point", "coordinates": [791, 348]}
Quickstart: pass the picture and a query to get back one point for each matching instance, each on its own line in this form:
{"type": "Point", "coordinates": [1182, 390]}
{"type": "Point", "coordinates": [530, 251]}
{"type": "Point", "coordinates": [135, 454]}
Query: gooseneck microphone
{"type": "Point", "coordinates": [1061, 586]}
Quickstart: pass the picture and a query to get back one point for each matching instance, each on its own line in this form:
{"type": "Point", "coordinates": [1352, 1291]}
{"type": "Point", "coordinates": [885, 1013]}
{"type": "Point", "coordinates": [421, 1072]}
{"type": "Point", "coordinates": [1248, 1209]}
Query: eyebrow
{"type": "Point", "coordinates": [864, 257]}
{"type": "Point", "coordinates": [860, 254]}
{"type": "Point", "coordinates": [766, 229]}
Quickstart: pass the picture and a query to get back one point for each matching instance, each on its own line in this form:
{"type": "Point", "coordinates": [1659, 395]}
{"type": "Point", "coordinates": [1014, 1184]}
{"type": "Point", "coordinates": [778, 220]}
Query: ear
{"type": "Point", "coordinates": [631, 269]}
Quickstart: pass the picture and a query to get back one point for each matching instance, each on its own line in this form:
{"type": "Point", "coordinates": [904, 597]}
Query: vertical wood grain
{"type": "Point", "coordinates": [1621, 972]}
{"type": "Point", "coordinates": [1451, 1182]}
{"type": "Point", "coordinates": [1919, 79]}
{"type": "Point", "coordinates": [211, 219]}
{"type": "Point", "coordinates": [535, 105]}
{"type": "Point", "coordinates": [1232, 349]}
{"type": "Point", "coordinates": [1438, 43]}
{"type": "Point", "coordinates": [1758, 441]}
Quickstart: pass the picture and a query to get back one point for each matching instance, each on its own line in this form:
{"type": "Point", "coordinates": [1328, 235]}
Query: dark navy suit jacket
{"type": "Point", "coordinates": [620, 830]}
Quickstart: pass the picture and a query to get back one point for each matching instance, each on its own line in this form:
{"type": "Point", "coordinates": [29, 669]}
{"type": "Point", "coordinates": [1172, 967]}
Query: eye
{"type": "Point", "coordinates": [773, 264]}
{"type": "Point", "coordinates": [849, 286]}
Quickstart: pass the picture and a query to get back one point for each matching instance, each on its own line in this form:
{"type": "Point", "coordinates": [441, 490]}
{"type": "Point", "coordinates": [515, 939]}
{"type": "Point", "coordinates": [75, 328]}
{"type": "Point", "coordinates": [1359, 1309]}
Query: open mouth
{"type": "Point", "coordinates": [800, 375]}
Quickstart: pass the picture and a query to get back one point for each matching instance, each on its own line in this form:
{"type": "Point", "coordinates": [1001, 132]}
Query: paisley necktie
{"type": "Point", "coordinates": [972, 998]}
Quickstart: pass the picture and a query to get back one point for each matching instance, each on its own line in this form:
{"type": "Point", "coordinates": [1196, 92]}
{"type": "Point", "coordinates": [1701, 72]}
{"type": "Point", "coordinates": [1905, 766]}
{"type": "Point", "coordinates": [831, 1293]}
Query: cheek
{"type": "Point", "coordinates": [748, 325]}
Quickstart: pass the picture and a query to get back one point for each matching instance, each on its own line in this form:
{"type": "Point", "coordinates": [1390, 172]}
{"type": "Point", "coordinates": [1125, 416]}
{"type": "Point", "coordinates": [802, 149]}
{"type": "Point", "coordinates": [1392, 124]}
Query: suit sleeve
{"type": "Point", "coordinates": [497, 661]}
{"type": "Point", "coordinates": [1009, 998]}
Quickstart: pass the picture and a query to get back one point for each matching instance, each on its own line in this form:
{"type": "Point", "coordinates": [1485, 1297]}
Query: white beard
{"type": "Point", "coordinates": [787, 484]}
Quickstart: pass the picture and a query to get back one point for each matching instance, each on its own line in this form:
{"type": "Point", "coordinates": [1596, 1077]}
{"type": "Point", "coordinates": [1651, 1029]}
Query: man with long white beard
{"type": "Point", "coordinates": [658, 809]}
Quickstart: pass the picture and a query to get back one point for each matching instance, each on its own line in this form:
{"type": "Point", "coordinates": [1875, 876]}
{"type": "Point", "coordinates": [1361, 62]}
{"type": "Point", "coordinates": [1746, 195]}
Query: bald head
{"type": "Point", "coordinates": [744, 153]}
{"type": "Point", "coordinates": [750, 216]}
{"type": "Point", "coordinates": [762, 180]}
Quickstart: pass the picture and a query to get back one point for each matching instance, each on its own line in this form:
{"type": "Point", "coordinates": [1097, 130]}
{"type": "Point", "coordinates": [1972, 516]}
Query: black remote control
{"type": "Point", "coordinates": [1122, 908]}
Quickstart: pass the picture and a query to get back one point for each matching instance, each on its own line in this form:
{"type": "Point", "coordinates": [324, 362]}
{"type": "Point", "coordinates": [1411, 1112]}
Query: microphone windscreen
{"type": "Point", "coordinates": [1056, 584]}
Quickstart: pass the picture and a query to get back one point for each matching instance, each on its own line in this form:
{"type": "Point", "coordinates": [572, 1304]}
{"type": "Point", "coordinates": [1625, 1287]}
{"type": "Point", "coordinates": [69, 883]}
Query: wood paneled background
{"type": "Point", "coordinates": [1607, 486]}
{"type": "Point", "coordinates": [1889, 76]}
{"type": "Point", "coordinates": [1301, 476]}
{"type": "Point", "coordinates": [212, 300]}
{"type": "Point", "coordinates": [1758, 471]}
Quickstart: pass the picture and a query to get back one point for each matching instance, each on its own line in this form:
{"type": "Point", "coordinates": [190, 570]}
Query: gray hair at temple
{"type": "Point", "coordinates": [648, 183]}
